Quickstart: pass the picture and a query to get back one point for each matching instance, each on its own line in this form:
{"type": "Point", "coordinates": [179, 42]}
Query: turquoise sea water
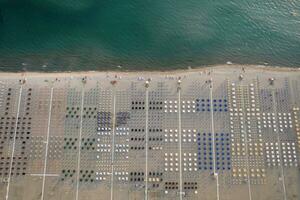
{"type": "Point", "coordinates": [147, 34]}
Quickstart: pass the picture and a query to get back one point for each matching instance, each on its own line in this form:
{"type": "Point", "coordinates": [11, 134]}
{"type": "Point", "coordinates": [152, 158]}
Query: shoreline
{"type": "Point", "coordinates": [221, 68]}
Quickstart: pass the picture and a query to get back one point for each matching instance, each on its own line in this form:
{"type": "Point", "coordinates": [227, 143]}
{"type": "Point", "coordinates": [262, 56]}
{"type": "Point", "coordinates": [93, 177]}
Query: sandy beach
{"type": "Point", "coordinates": [205, 70]}
{"type": "Point", "coordinates": [145, 134]}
